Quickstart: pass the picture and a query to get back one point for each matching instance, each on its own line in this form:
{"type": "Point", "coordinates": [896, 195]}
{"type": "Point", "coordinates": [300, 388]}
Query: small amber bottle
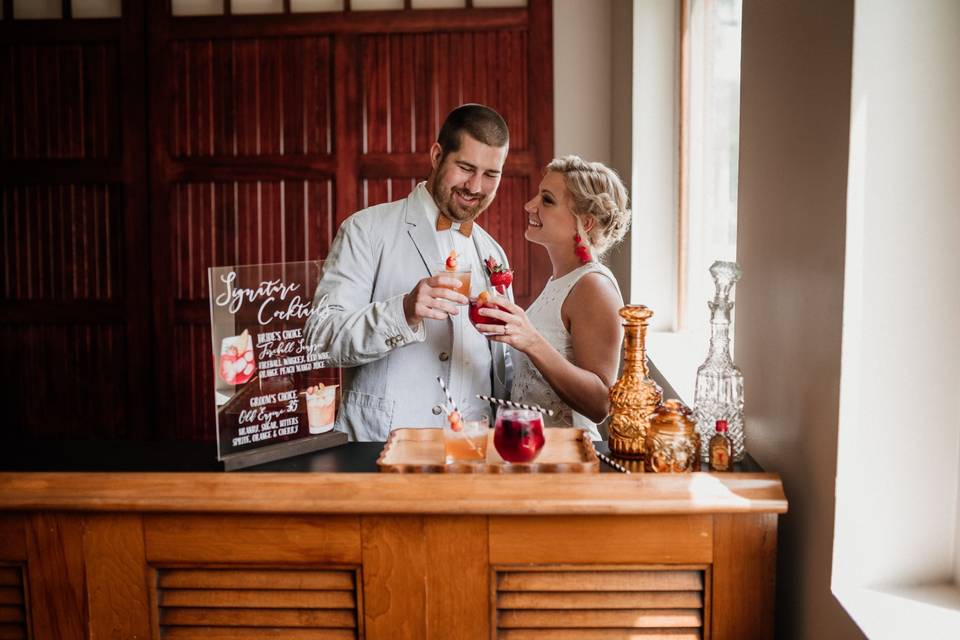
{"type": "Point", "coordinates": [720, 448]}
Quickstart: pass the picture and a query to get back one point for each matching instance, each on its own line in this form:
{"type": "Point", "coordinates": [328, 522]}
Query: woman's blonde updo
{"type": "Point", "coordinates": [595, 191]}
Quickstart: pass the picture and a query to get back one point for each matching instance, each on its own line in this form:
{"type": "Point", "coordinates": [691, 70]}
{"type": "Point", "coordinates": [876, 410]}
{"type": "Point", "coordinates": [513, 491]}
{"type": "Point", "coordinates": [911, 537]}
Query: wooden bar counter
{"type": "Point", "coordinates": [320, 547]}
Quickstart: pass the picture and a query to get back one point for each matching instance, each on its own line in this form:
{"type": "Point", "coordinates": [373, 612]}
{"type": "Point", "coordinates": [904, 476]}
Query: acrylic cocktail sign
{"type": "Point", "coordinates": [276, 396]}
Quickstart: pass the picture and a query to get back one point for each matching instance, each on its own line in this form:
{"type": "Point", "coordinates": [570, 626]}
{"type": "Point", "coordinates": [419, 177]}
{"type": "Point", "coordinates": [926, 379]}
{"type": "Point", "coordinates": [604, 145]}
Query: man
{"type": "Point", "coordinates": [383, 312]}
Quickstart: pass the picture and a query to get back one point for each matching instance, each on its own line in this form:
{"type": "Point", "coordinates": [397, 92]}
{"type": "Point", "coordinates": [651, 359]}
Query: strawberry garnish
{"type": "Point", "coordinates": [500, 276]}
{"type": "Point", "coordinates": [452, 261]}
{"type": "Point", "coordinates": [501, 280]}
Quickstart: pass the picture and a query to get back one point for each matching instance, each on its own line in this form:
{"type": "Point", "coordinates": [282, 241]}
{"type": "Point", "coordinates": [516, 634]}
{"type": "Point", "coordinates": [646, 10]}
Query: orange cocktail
{"type": "Point", "coordinates": [468, 443]}
{"type": "Point", "coordinates": [450, 268]}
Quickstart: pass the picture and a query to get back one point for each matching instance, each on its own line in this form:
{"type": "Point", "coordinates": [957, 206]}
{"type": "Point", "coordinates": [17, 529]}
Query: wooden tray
{"type": "Point", "coordinates": [421, 451]}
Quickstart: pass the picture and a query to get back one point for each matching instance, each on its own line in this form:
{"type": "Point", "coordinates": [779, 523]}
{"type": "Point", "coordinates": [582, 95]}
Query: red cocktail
{"type": "Point", "coordinates": [478, 303]}
{"type": "Point", "coordinates": [518, 436]}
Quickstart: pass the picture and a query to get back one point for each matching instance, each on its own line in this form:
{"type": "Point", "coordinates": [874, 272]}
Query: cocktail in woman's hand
{"type": "Point", "coordinates": [484, 300]}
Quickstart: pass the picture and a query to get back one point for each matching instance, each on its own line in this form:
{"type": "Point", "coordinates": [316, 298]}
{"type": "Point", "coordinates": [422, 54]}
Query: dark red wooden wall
{"type": "Point", "coordinates": [75, 325]}
{"type": "Point", "coordinates": [138, 152]}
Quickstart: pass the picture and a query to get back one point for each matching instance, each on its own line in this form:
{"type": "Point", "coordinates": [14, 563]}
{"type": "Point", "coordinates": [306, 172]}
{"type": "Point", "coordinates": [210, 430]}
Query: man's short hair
{"type": "Point", "coordinates": [481, 122]}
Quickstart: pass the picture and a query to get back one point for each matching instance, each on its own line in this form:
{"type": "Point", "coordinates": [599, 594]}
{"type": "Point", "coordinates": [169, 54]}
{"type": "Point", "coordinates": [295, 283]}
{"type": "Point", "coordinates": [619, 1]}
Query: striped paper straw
{"type": "Point", "coordinates": [515, 405]}
{"type": "Point", "coordinates": [615, 465]}
{"type": "Point", "coordinates": [450, 402]}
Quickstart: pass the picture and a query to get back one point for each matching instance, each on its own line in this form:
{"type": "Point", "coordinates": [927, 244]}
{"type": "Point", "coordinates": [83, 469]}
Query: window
{"type": "Point", "coordinates": [686, 200]}
{"type": "Point", "coordinates": [710, 111]}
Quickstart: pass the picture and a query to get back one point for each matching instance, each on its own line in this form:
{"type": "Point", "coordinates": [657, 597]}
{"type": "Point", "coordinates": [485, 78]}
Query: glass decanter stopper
{"type": "Point", "coordinates": [634, 397]}
{"type": "Point", "coordinates": [719, 390]}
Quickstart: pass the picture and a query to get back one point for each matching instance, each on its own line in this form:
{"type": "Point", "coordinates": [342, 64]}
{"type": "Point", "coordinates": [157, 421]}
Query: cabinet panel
{"type": "Point", "coordinates": [603, 539]}
{"type": "Point", "coordinates": [252, 539]}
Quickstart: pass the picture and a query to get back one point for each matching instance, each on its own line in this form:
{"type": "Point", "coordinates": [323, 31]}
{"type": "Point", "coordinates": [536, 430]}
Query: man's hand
{"type": "Point", "coordinates": [433, 298]}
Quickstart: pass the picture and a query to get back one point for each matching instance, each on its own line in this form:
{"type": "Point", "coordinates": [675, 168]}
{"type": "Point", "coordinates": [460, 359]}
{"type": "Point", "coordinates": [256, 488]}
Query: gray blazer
{"type": "Point", "coordinates": [379, 254]}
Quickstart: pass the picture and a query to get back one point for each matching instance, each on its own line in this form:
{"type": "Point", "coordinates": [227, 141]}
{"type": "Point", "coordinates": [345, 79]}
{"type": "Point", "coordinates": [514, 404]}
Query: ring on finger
{"type": "Point", "coordinates": [506, 329]}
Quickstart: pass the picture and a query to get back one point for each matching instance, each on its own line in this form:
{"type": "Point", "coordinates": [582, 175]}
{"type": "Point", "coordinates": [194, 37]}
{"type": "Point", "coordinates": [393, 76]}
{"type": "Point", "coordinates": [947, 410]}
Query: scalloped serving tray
{"type": "Point", "coordinates": [421, 451]}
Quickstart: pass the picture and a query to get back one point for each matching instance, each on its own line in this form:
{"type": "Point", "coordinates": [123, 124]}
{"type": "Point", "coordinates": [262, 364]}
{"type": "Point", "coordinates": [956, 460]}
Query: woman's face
{"type": "Point", "coordinates": [550, 221]}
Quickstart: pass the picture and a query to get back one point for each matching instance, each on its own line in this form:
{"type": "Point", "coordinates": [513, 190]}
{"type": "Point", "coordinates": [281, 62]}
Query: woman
{"type": "Point", "coordinates": [566, 346]}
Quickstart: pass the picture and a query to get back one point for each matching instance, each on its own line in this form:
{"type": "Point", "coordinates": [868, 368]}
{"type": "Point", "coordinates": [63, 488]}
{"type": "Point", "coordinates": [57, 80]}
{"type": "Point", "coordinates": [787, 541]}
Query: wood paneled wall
{"type": "Point", "coordinates": [138, 152]}
{"type": "Point", "coordinates": [75, 316]}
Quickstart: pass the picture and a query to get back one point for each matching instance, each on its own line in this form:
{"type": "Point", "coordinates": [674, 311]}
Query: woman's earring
{"type": "Point", "coordinates": [582, 251]}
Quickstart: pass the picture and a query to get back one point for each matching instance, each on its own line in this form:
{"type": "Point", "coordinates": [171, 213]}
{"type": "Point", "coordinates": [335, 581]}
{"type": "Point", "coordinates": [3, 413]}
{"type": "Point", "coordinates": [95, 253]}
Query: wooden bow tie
{"type": "Point", "coordinates": [444, 223]}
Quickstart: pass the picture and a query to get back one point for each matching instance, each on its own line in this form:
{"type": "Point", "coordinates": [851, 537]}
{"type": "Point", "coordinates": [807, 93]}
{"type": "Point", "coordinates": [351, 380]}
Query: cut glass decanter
{"type": "Point", "coordinates": [719, 390]}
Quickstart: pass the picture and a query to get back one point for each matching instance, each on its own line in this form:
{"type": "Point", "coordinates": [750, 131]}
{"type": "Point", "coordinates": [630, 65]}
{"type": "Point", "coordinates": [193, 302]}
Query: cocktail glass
{"type": "Point", "coordinates": [476, 318]}
{"type": "Point", "coordinates": [518, 436]}
{"type": "Point", "coordinates": [469, 444]}
{"type": "Point", "coordinates": [463, 275]}
{"type": "Point", "coordinates": [321, 408]}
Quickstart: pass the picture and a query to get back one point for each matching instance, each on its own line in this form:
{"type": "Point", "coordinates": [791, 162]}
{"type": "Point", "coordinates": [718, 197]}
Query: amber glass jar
{"type": "Point", "coordinates": [672, 445]}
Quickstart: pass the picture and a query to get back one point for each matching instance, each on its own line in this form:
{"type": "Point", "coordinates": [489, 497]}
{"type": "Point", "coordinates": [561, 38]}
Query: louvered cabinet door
{"type": "Point", "coordinates": [556, 603]}
{"type": "Point", "coordinates": [245, 576]}
{"type": "Point", "coordinates": [13, 592]}
{"type": "Point", "coordinates": [257, 603]}
{"type": "Point", "coordinates": [13, 614]}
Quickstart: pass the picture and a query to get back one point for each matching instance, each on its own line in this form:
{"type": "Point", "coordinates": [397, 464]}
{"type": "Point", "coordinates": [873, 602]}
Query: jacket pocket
{"type": "Point", "coordinates": [365, 418]}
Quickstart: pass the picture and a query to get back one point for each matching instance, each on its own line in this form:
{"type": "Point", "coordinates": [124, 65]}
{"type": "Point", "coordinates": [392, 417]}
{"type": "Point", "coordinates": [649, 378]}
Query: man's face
{"type": "Point", "coordinates": [464, 184]}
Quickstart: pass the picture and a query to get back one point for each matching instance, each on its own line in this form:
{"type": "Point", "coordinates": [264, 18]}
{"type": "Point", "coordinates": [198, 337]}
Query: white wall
{"type": "Point", "coordinates": [899, 448]}
{"type": "Point", "coordinates": [621, 125]}
{"type": "Point", "coordinates": [794, 131]}
{"type": "Point", "coordinates": [596, 55]}
{"type": "Point", "coordinates": [592, 57]}
{"type": "Point", "coordinates": [581, 78]}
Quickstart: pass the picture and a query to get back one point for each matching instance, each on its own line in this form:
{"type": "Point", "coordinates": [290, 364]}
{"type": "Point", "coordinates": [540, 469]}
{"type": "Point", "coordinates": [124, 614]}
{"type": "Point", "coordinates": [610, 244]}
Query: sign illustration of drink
{"type": "Point", "coordinates": [465, 439]}
{"type": "Point", "coordinates": [237, 363]}
{"type": "Point", "coordinates": [448, 268]}
{"type": "Point", "coordinates": [321, 407]}
{"type": "Point", "coordinates": [518, 435]}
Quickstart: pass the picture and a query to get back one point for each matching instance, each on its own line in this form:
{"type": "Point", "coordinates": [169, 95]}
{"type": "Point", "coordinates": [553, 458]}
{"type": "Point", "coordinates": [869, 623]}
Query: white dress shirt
{"type": "Point", "coordinates": [471, 358]}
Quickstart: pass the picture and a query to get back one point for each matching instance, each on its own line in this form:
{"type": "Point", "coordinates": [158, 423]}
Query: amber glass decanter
{"type": "Point", "coordinates": [634, 397]}
{"type": "Point", "coordinates": [719, 391]}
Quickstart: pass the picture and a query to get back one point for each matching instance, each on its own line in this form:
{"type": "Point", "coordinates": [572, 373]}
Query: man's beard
{"type": "Point", "coordinates": [449, 206]}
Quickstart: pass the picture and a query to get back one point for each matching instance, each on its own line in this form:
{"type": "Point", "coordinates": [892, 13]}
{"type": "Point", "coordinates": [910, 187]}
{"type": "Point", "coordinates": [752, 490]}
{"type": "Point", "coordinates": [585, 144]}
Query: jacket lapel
{"type": "Point", "coordinates": [423, 236]}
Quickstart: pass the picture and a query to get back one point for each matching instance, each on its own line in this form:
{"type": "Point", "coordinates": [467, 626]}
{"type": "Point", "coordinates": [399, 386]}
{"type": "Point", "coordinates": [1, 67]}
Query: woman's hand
{"type": "Point", "coordinates": [517, 330]}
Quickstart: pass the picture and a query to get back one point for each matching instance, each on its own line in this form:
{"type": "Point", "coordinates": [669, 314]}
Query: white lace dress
{"type": "Point", "coordinates": [529, 386]}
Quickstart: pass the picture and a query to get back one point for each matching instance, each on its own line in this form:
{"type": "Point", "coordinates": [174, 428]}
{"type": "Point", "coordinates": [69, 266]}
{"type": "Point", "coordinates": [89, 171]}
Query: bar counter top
{"type": "Point", "coordinates": [156, 540]}
{"type": "Point", "coordinates": [186, 477]}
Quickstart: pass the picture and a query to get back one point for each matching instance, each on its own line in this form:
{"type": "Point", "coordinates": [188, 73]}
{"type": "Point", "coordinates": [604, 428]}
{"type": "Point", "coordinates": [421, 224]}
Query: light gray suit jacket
{"type": "Point", "coordinates": [379, 254]}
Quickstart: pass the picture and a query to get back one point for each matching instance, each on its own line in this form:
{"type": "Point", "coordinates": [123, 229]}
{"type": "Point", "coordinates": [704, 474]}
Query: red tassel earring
{"type": "Point", "coordinates": [582, 251]}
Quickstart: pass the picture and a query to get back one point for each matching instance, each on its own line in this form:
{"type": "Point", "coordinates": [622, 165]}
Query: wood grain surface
{"type": "Point", "coordinates": [458, 577]}
{"type": "Point", "coordinates": [358, 493]}
{"type": "Point", "coordinates": [117, 596]}
{"type": "Point", "coordinates": [249, 539]}
{"type": "Point", "coordinates": [56, 576]}
{"type": "Point", "coordinates": [744, 576]}
{"type": "Point", "coordinates": [394, 565]}
{"type": "Point", "coordinates": [601, 538]}
{"type": "Point", "coordinates": [13, 546]}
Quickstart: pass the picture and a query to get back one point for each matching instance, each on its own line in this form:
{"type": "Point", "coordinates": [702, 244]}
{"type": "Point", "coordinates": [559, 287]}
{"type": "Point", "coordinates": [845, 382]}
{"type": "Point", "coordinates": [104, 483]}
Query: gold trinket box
{"type": "Point", "coordinates": [672, 445]}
